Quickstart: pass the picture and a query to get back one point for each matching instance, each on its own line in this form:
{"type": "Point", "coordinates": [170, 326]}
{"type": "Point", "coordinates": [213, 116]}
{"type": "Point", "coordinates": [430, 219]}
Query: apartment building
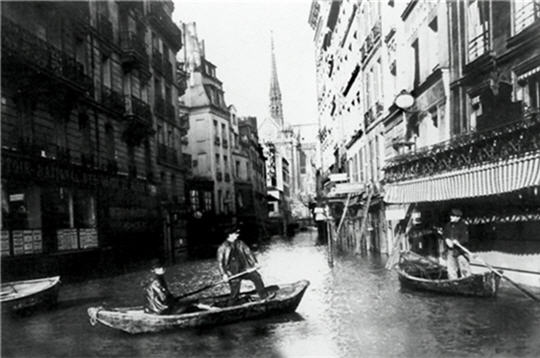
{"type": "Point", "coordinates": [80, 171]}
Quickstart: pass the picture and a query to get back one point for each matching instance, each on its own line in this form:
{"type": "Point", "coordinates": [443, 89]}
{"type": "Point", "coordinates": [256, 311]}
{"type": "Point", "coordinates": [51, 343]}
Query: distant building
{"type": "Point", "coordinates": [85, 88]}
{"type": "Point", "coordinates": [211, 186]}
{"type": "Point", "coordinates": [250, 182]}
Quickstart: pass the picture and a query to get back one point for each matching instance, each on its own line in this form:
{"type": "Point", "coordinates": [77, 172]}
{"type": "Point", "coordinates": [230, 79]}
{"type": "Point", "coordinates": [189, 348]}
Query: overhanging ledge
{"type": "Point", "coordinates": [488, 179]}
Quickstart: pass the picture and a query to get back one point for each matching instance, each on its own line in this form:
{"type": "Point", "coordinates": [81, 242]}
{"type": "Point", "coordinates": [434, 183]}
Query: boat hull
{"type": "Point", "coordinates": [29, 294]}
{"type": "Point", "coordinates": [423, 275]}
{"type": "Point", "coordinates": [135, 320]}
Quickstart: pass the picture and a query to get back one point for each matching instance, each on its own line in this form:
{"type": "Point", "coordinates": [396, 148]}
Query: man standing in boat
{"type": "Point", "coordinates": [235, 257]}
{"type": "Point", "coordinates": [456, 230]}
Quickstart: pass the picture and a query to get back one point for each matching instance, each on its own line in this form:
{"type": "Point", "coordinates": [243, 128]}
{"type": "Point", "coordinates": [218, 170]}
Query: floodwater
{"type": "Point", "coordinates": [355, 309]}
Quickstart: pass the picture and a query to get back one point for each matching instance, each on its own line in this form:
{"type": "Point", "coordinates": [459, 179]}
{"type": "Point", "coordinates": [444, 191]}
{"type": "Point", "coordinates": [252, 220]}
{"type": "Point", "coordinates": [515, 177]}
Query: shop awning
{"type": "Point", "coordinates": [490, 179]}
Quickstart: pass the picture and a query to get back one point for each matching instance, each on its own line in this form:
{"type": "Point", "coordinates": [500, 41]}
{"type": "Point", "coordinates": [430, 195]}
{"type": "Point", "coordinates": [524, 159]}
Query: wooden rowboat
{"type": "Point", "coordinates": [22, 295]}
{"type": "Point", "coordinates": [420, 274]}
{"type": "Point", "coordinates": [134, 320]}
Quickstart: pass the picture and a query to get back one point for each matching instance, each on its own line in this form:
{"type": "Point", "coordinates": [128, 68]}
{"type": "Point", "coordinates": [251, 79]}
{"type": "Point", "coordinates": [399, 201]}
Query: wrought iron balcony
{"type": "Point", "coordinates": [167, 155]}
{"type": "Point", "coordinates": [20, 46]}
{"type": "Point", "coordinates": [135, 108]}
{"type": "Point", "coordinates": [513, 139]}
{"type": "Point", "coordinates": [159, 19]}
{"type": "Point", "coordinates": [478, 45]}
{"type": "Point", "coordinates": [133, 49]}
{"type": "Point", "coordinates": [112, 100]}
{"type": "Point", "coordinates": [157, 61]}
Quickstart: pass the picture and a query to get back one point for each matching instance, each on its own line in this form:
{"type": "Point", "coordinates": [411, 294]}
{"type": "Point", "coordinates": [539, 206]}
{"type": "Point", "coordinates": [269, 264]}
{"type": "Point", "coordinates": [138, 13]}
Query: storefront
{"type": "Point", "coordinates": [501, 206]}
{"type": "Point", "coordinates": [62, 218]}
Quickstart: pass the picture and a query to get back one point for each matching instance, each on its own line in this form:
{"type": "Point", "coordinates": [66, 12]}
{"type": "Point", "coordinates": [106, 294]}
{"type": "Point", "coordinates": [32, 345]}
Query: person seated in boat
{"type": "Point", "coordinates": [423, 238]}
{"type": "Point", "coordinates": [235, 257]}
{"type": "Point", "coordinates": [456, 260]}
{"type": "Point", "coordinates": [159, 299]}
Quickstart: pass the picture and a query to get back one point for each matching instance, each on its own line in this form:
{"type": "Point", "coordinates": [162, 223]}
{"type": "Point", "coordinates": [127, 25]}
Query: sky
{"type": "Point", "coordinates": [237, 41]}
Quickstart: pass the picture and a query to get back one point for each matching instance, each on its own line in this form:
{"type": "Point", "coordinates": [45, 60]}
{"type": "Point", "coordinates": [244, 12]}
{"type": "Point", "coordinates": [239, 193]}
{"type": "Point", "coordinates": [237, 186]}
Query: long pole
{"type": "Point", "coordinates": [495, 271]}
{"type": "Point", "coordinates": [217, 283]}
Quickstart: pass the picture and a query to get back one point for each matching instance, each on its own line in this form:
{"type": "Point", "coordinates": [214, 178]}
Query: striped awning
{"type": "Point", "coordinates": [490, 179]}
{"type": "Point", "coordinates": [529, 73]}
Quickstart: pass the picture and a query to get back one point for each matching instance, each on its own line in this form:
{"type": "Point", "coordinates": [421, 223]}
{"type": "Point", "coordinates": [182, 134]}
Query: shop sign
{"type": "Point", "coordinates": [16, 197]}
{"type": "Point", "coordinates": [49, 170]}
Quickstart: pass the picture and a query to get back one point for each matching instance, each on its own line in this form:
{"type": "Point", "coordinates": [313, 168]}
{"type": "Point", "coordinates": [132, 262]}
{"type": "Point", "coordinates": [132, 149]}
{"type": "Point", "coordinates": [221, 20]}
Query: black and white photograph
{"type": "Point", "coordinates": [270, 178]}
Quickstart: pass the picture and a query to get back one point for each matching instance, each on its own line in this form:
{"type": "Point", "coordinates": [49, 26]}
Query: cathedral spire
{"type": "Point", "coordinates": [276, 109]}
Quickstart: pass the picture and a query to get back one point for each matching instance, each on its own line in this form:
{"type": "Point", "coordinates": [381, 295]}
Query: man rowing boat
{"type": "Point", "coordinates": [234, 257]}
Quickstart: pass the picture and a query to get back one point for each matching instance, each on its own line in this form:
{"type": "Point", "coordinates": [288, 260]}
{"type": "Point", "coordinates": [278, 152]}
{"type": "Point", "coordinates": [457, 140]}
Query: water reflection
{"type": "Point", "coordinates": [353, 309]}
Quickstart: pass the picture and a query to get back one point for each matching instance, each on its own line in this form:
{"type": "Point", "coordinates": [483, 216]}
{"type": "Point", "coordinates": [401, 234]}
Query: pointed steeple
{"type": "Point", "coordinates": [276, 108]}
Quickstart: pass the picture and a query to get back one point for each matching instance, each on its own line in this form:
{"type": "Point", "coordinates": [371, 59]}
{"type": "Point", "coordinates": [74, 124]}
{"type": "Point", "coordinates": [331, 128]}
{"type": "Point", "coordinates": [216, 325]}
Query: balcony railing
{"type": "Point", "coordinates": [217, 141]}
{"type": "Point", "coordinates": [513, 139]}
{"type": "Point", "coordinates": [159, 18]}
{"type": "Point", "coordinates": [478, 45]}
{"type": "Point", "coordinates": [112, 100]}
{"type": "Point", "coordinates": [21, 46]}
{"type": "Point", "coordinates": [133, 49]}
{"type": "Point", "coordinates": [167, 155]}
{"type": "Point", "coordinates": [526, 13]}
{"type": "Point", "coordinates": [137, 108]}
{"type": "Point", "coordinates": [225, 143]}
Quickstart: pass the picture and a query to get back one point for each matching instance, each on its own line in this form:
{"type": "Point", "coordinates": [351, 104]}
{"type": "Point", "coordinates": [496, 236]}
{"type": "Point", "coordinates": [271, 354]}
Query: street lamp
{"type": "Point", "coordinates": [404, 100]}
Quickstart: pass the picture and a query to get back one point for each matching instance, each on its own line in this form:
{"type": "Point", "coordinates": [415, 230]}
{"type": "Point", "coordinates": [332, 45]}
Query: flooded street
{"type": "Point", "coordinates": [354, 309]}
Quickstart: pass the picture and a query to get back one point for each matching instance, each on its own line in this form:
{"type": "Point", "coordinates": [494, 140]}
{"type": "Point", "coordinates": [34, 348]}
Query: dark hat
{"type": "Point", "coordinates": [456, 212]}
{"type": "Point", "coordinates": [232, 229]}
{"type": "Point", "coordinates": [155, 263]}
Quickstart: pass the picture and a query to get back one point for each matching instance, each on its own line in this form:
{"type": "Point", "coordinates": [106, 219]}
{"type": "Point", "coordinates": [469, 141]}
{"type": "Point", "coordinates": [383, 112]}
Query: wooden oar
{"type": "Point", "coordinates": [495, 271]}
{"type": "Point", "coordinates": [217, 283]}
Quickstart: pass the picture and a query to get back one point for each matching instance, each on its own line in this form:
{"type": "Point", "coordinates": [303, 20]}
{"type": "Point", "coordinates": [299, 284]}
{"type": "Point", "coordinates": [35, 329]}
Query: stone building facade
{"type": "Point", "coordinates": [85, 86]}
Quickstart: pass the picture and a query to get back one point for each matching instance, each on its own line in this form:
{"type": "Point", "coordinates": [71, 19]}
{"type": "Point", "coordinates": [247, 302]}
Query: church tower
{"type": "Point", "coordinates": [276, 108]}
